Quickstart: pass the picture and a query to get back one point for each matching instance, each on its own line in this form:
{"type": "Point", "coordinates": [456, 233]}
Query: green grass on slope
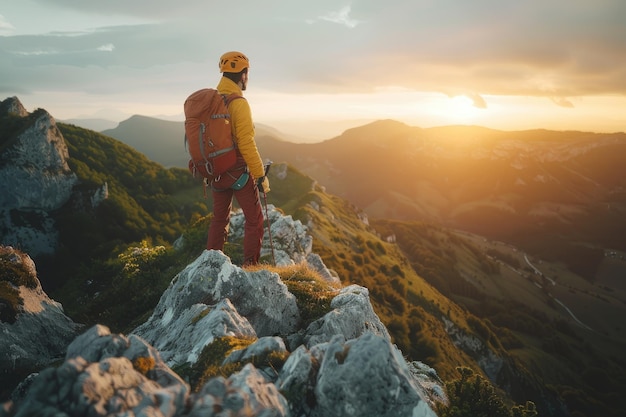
{"type": "Point", "coordinates": [494, 282]}
{"type": "Point", "coordinates": [410, 307]}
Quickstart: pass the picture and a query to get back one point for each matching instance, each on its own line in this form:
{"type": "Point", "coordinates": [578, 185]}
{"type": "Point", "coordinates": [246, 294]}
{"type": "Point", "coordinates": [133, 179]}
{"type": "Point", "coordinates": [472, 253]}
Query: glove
{"type": "Point", "coordinates": [263, 184]}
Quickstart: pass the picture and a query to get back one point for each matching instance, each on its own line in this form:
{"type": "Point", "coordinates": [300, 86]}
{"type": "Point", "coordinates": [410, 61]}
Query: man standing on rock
{"type": "Point", "coordinates": [248, 176]}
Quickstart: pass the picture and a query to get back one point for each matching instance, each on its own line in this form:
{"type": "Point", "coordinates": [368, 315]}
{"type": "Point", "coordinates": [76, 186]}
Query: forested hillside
{"type": "Point", "coordinates": [149, 207]}
{"type": "Point", "coordinates": [464, 285]}
{"type": "Point", "coordinates": [442, 294]}
{"type": "Point", "coordinates": [529, 304]}
{"type": "Point", "coordinates": [145, 201]}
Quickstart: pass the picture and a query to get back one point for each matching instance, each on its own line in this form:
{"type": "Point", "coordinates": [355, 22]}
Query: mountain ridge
{"type": "Point", "coordinates": [162, 140]}
{"type": "Point", "coordinates": [472, 177]}
{"type": "Point", "coordinates": [416, 141]}
{"type": "Point", "coordinates": [514, 173]}
{"type": "Point", "coordinates": [413, 311]}
{"type": "Point", "coordinates": [196, 313]}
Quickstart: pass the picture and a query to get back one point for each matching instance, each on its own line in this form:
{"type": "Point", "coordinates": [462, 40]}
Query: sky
{"type": "Point", "coordinates": [317, 67]}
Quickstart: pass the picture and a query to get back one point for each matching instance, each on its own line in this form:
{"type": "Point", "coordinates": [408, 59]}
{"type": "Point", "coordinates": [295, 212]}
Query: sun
{"type": "Point", "coordinates": [460, 109]}
{"type": "Point", "coordinates": [452, 110]}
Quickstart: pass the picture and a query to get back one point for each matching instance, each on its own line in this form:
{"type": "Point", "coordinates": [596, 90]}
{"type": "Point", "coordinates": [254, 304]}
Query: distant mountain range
{"type": "Point", "coordinates": [160, 140]}
{"type": "Point", "coordinates": [163, 141]}
{"type": "Point", "coordinates": [512, 186]}
{"type": "Point", "coordinates": [541, 328]}
{"type": "Point", "coordinates": [97, 125]}
{"type": "Point", "coordinates": [496, 183]}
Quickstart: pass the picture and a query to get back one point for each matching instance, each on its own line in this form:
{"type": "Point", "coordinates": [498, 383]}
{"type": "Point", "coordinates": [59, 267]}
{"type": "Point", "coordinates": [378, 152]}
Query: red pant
{"type": "Point", "coordinates": [248, 199]}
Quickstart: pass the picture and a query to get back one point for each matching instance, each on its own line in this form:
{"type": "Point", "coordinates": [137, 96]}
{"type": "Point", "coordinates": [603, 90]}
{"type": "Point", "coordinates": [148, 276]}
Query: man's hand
{"type": "Point", "coordinates": [263, 184]}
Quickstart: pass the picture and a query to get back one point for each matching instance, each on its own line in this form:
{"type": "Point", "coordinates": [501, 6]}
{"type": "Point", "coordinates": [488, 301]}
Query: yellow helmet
{"type": "Point", "coordinates": [233, 62]}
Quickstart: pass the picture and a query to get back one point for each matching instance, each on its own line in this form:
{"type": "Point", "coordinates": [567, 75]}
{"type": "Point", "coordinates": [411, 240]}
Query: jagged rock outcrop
{"type": "Point", "coordinates": [13, 105]}
{"type": "Point", "coordinates": [347, 368]}
{"type": "Point", "coordinates": [104, 374]}
{"type": "Point", "coordinates": [34, 180]}
{"type": "Point", "coordinates": [35, 331]}
{"type": "Point", "coordinates": [485, 357]}
{"type": "Point", "coordinates": [213, 287]}
{"type": "Point", "coordinates": [366, 376]}
{"type": "Point", "coordinates": [342, 364]}
{"type": "Point", "coordinates": [290, 240]}
{"type": "Point", "coordinates": [352, 316]}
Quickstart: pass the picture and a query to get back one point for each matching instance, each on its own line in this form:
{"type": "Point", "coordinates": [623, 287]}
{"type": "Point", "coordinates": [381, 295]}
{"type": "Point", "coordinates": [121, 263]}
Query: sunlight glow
{"type": "Point", "coordinates": [460, 110]}
{"type": "Point", "coordinates": [322, 116]}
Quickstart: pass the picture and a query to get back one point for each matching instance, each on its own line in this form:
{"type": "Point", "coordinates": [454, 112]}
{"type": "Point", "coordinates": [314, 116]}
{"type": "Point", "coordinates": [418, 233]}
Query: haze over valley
{"type": "Point", "coordinates": [500, 251]}
{"type": "Point", "coordinates": [555, 201]}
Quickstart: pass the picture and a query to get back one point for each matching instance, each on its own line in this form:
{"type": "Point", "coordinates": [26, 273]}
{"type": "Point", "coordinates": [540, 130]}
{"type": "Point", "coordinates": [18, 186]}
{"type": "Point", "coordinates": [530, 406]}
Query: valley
{"type": "Point", "coordinates": [555, 290]}
{"type": "Point", "coordinates": [499, 251]}
{"type": "Point", "coordinates": [557, 199]}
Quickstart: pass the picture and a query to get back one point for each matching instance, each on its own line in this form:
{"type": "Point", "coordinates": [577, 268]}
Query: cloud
{"type": "Point", "coordinates": [341, 17]}
{"type": "Point", "coordinates": [109, 47]}
{"type": "Point", "coordinates": [559, 50]}
{"type": "Point", "coordinates": [477, 100]}
{"type": "Point", "coordinates": [562, 102]}
{"type": "Point", "coordinates": [67, 53]}
{"type": "Point", "coordinates": [5, 26]}
{"type": "Point", "coordinates": [139, 8]}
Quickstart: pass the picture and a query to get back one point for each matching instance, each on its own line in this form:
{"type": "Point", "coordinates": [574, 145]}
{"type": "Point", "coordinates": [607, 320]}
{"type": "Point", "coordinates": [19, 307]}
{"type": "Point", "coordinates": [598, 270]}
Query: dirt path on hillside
{"type": "Point", "coordinates": [538, 272]}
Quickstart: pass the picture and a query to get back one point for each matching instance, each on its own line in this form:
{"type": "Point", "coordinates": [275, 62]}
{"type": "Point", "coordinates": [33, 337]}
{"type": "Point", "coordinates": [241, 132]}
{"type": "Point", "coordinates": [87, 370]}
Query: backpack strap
{"type": "Point", "coordinates": [228, 98]}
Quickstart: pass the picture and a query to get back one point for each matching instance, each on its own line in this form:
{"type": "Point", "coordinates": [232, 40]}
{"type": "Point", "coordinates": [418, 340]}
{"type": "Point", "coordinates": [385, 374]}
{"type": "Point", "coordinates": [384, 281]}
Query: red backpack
{"type": "Point", "coordinates": [208, 135]}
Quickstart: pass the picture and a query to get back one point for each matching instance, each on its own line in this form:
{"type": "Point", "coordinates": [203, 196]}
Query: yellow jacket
{"type": "Point", "coordinates": [242, 128]}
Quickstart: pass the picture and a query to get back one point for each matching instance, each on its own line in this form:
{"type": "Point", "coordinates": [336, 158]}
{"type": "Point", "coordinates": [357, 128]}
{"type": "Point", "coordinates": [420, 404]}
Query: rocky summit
{"type": "Point", "coordinates": [35, 179]}
{"type": "Point", "coordinates": [342, 364]}
{"type": "Point", "coordinates": [35, 331]}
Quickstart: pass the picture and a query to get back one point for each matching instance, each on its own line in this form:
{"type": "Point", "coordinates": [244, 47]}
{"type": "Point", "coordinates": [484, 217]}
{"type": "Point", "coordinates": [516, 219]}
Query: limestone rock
{"type": "Point", "coordinates": [260, 296]}
{"type": "Point", "coordinates": [352, 316]}
{"type": "Point", "coordinates": [349, 369]}
{"type": "Point", "coordinates": [290, 239]}
{"type": "Point", "coordinates": [105, 374]}
{"type": "Point", "coordinates": [12, 105]}
{"type": "Point", "coordinates": [364, 377]}
{"type": "Point", "coordinates": [245, 393]}
{"type": "Point", "coordinates": [39, 331]}
{"type": "Point", "coordinates": [34, 180]}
